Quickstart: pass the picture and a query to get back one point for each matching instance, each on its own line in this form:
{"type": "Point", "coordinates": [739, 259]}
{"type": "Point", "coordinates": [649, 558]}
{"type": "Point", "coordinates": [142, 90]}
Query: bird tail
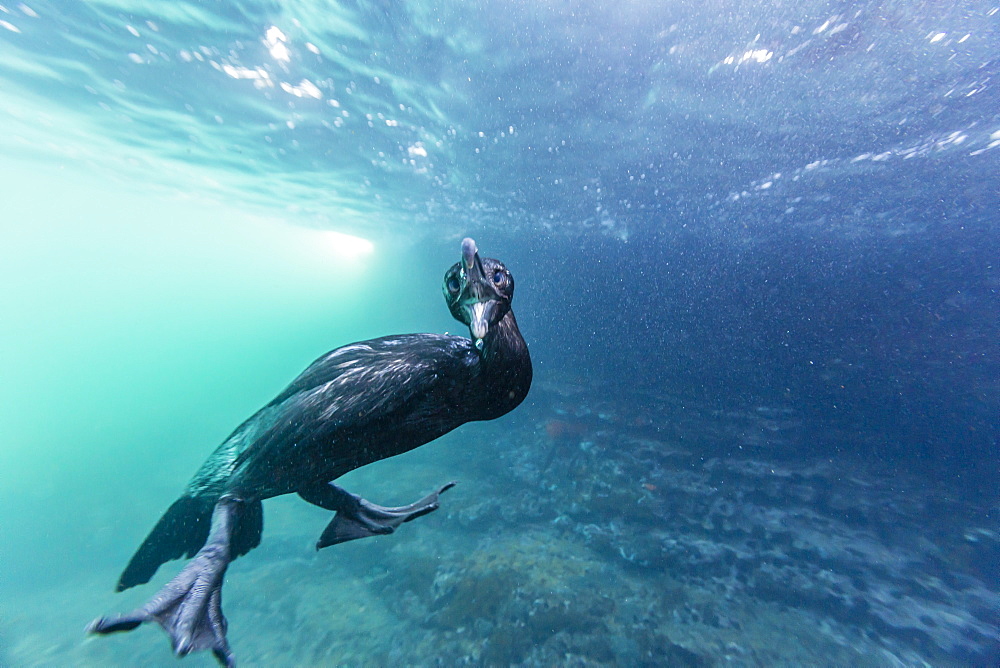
{"type": "Point", "coordinates": [182, 531]}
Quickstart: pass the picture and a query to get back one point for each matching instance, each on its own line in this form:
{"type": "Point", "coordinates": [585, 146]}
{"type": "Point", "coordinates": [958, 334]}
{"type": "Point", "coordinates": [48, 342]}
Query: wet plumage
{"type": "Point", "coordinates": [353, 406]}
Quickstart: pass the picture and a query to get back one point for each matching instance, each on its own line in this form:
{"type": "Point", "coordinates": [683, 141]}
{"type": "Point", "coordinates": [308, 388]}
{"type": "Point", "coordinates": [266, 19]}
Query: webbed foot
{"type": "Point", "coordinates": [358, 518]}
{"type": "Point", "coordinates": [189, 607]}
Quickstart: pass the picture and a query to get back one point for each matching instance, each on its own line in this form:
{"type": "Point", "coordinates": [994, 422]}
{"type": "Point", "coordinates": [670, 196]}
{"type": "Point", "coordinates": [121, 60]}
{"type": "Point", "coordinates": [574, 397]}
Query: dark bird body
{"type": "Point", "coordinates": [353, 406]}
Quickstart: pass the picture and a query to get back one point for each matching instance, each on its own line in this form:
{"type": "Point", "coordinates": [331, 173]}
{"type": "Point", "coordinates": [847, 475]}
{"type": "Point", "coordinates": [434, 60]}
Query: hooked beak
{"type": "Point", "coordinates": [480, 297]}
{"type": "Point", "coordinates": [470, 256]}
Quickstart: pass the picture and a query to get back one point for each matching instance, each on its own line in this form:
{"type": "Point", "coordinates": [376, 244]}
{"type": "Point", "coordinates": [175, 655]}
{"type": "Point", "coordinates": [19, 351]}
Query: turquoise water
{"type": "Point", "coordinates": [755, 250]}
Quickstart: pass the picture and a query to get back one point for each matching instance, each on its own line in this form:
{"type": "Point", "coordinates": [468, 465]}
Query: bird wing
{"type": "Point", "coordinates": [352, 386]}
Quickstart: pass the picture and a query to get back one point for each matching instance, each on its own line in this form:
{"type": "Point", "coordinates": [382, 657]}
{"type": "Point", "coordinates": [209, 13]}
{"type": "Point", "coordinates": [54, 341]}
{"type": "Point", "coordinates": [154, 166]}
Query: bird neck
{"type": "Point", "coordinates": [505, 362]}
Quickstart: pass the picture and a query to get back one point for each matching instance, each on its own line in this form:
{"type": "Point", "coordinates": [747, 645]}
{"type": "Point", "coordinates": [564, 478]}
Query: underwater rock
{"type": "Point", "coordinates": [642, 550]}
{"type": "Point", "coordinates": [837, 539]}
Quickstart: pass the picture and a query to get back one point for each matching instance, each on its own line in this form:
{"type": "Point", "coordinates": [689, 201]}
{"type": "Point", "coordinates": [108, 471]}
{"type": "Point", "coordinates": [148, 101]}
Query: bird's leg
{"type": "Point", "coordinates": [189, 607]}
{"type": "Point", "coordinates": [358, 518]}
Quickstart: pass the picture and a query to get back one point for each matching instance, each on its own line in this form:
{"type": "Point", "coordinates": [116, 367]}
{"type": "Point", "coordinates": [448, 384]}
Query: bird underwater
{"type": "Point", "coordinates": [355, 405]}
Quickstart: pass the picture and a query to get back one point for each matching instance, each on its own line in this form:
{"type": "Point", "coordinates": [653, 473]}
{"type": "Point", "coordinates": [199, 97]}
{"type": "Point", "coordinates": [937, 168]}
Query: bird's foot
{"type": "Point", "coordinates": [358, 518]}
{"type": "Point", "coordinates": [189, 607]}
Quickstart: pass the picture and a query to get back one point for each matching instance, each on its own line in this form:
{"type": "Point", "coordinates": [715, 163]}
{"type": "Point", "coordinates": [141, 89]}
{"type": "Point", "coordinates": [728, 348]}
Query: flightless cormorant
{"type": "Point", "coordinates": [353, 406]}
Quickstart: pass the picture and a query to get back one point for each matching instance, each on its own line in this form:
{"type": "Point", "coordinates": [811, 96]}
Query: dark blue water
{"type": "Point", "coordinates": [756, 254]}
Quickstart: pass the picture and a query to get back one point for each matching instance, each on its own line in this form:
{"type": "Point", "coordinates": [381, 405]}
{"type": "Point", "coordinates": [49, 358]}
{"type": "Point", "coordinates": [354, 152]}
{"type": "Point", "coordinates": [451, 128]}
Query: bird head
{"type": "Point", "coordinates": [478, 290]}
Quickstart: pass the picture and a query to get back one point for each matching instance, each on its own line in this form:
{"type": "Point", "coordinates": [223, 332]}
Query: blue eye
{"type": "Point", "coordinates": [497, 276]}
{"type": "Point", "coordinates": [452, 284]}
